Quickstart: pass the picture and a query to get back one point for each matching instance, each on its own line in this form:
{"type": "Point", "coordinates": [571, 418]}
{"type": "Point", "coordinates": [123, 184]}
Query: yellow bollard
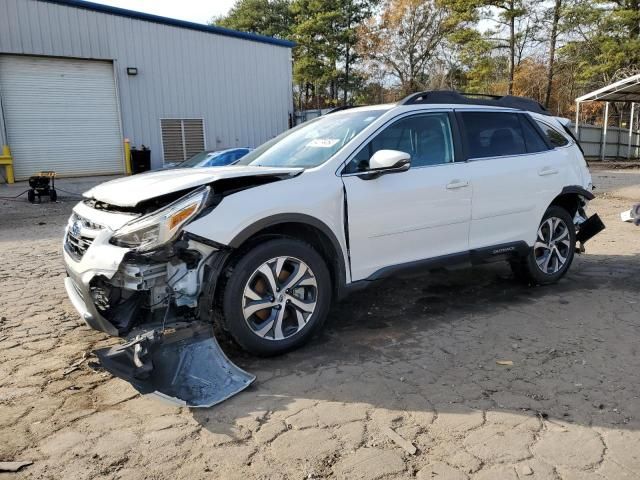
{"type": "Point", "coordinates": [7, 162]}
{"type": "Point", "coordinates": [127, 156]}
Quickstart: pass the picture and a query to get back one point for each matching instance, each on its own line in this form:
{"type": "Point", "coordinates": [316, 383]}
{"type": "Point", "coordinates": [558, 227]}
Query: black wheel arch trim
{"type": "Point", "coordinates": [577, 189]}
{"type": "Point", "coordinates": [282, 218]}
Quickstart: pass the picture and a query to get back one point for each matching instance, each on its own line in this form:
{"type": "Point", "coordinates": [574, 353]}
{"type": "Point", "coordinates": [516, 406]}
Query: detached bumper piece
{"type": "Point", "coordinates": [632, 215]}
{"type": "Point", "coordinates": [589, 228]}
{"type": "Point", "coordinates": [184, 365]}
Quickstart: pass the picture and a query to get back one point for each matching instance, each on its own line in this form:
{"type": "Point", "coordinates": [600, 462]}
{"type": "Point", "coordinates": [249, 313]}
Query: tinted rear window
{"type": "Point", "coordinates": [496, 134]}
{"type": "Point", "coordinates": [533, 139]}
{"type": "Point", "coordinates": [555, 137]}
{"type": "Point", "coordinates": [493, 134]}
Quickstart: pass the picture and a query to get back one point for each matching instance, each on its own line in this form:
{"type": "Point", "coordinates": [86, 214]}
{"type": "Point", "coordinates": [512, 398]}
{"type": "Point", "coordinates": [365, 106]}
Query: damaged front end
{"type": "Point", "coordinates": [181, 363]}
{"type": "Point", "coordinates": [134, 273]}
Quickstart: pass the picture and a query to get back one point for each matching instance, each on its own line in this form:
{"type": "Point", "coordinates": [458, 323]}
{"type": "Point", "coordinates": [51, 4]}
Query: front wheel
{"type": "Point", "coordinates": [553, 251]}
{"type": "Point", "coordinates": [277, 295]}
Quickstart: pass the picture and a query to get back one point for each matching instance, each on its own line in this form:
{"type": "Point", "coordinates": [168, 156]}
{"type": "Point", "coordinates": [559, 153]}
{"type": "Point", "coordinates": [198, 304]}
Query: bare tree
{"type": "Point", "coordinates": [405, 37]}
{"type": "Point", "coordinates": [553, 39]}
{"type": "Point", "coordinates": [509, 12]}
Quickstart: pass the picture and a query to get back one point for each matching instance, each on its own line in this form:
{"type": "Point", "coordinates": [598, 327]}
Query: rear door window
{"type": "Point", "coordinates": [493, 134]}
{"type": "Point", "coordinates": [555, 137]}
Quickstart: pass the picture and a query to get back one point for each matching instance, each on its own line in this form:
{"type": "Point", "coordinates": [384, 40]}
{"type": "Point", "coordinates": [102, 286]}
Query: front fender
{"type": "Point", "coordinates": [313, 198]}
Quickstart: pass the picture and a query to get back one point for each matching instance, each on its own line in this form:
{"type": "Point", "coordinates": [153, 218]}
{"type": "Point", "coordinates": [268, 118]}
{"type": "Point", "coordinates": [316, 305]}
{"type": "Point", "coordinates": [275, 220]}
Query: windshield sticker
{"type": "Point", "coordinates": [323, 142]}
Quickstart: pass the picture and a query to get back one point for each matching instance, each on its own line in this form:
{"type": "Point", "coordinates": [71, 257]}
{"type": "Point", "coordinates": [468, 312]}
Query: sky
{"type": "Point", "coordinates": [199, 11]}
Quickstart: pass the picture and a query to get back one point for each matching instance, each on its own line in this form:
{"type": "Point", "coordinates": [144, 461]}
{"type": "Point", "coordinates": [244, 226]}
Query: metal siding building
{"type": "Point", "coordinates": [238, 84]}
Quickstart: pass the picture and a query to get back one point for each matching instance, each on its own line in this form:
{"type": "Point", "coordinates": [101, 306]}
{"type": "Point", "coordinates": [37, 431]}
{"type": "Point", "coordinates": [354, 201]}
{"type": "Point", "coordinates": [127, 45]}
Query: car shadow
{"type": "Point", "coordinates": [467, 340]}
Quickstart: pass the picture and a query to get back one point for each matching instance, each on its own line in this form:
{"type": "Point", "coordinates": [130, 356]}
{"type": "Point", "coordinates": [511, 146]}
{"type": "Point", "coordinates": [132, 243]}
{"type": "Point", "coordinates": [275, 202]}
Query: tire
{"type": "Point", "coordinates": [543, 265]}
{"type": "Point", "coordinates": [293, 313]}
{"type": "Point", "coordinates": [53, 195]}
{"type": "Point", "coordinates": [31, 196]}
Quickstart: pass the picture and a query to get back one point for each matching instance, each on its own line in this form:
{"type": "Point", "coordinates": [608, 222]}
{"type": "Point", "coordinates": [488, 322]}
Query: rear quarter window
{"type": "Point", "coordinates": [555, 138]}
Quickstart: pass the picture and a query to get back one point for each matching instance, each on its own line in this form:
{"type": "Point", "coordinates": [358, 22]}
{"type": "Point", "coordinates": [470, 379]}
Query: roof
{"type": "Point", "coordinates": [122, 12]}
{"type": "Point", "coordinates": [627, 90]}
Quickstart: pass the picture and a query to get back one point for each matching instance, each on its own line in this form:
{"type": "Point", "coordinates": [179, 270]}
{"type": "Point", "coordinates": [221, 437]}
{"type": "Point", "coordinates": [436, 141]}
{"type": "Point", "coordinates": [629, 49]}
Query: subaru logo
{"type": "Point", "coordinates": [75, 229]}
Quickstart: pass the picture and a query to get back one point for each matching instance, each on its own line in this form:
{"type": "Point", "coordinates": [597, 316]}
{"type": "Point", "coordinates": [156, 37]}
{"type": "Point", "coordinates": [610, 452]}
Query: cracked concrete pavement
{"type": "Point", "coordinates": [417, 356]}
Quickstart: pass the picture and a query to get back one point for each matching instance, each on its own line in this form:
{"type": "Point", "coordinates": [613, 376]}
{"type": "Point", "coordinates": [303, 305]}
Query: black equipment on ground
{"type": "Point", "coordinates": [140, 160]}
{"type": "Point", "coordinates": [42, 183]}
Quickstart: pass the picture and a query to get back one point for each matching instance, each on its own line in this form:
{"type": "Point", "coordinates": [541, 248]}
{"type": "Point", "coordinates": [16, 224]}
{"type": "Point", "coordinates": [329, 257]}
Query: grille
{"type": "Point", "coordinates": [80, 235]}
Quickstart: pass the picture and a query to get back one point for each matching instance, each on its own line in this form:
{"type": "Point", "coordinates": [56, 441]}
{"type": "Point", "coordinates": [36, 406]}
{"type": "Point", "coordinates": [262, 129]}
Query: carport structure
{"type": "Point", "coordinates": [623, 91]}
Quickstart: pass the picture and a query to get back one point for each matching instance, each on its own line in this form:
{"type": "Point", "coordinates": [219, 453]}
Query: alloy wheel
{"type": "Point", "coordinates": [279, 298]}
{"type": "Point", "coordinates": [552, 246]}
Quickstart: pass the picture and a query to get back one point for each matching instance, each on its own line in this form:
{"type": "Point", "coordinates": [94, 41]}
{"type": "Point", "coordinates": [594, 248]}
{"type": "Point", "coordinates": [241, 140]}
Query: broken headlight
{"type": "Point", "coordinates": [162, 226]}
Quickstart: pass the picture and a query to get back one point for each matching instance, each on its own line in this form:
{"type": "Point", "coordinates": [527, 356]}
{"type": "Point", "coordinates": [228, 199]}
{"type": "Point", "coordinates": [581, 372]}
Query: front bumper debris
{"type": "Point", "coordinates": [133, 296]}
{"type": "Point", "coordinates": [589, 228]}
{"type": "Point", "coordinates": [183, 365]}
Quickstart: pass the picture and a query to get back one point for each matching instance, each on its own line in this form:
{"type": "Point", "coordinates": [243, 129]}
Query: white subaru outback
{"type": "Point", "coordinates": [264, 246]}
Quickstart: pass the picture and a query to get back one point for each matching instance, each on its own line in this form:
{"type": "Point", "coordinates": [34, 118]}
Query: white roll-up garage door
{"type": "Point", "coordinates": [61, 115]}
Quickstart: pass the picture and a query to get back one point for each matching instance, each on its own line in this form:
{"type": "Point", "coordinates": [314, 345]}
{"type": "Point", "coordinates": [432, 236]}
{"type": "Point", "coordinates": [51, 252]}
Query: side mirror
{"type": "Point", "coordinates": [387, 161]}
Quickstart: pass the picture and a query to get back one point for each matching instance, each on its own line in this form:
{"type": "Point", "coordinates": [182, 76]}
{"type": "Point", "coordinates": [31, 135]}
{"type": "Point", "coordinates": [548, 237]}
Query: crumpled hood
{"type": "Point", "coordinates": [130, 191]}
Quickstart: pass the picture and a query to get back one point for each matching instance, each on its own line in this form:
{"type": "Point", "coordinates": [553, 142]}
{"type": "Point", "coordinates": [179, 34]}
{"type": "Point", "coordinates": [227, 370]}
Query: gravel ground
{"type": "Point", "coordinates": [409, 364]}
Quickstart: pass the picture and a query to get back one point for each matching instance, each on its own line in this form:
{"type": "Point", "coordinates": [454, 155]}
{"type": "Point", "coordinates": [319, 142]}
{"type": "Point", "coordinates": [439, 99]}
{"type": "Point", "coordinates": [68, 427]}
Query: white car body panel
{"type": "Point", "coordinates": [508, 195]}
{"type": "Point", "coordinates": [315, 193]}
{"type": "Point", "coordinates": [511, 193]}
{"type": "Point", "coordinates": [130, 191]}
{"type": "Point", "coordinates": [404, 217]}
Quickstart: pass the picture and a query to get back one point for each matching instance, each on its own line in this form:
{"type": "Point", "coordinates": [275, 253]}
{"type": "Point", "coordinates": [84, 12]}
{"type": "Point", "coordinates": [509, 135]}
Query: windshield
{"type": "Point", "coordinates": [196, 160]}
{"type": "Point", "coordinates": [312, 143]}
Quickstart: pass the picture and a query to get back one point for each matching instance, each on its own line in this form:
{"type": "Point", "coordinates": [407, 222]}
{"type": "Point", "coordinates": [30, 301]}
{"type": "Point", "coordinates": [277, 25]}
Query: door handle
{"type": "Point", "coordinates": [547, 171]}
{"type": "Point", "coordinates": [457, 184]}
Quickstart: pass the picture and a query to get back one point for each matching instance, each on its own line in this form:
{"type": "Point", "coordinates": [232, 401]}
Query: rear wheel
{"type": "Point", "coordinates": [31, 196]}
{"type": "Point", "coordinates": [53, 195]}
{"type": "Point", "coordinates": [553, 251]}
{"type": "Point", "coordinates": [276, 297]}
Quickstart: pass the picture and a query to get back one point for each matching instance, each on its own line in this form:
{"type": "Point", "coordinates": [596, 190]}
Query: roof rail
{"type": "Point", "coordinates": [339, 109]}
{"type": "Point", "coordinates": [453, 97]}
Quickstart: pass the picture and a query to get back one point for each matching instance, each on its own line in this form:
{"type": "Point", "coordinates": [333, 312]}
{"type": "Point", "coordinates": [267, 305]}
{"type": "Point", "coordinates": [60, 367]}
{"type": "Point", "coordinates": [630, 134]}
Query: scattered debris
{"type": "Point", "coordinates": [13, 466]}
{"type": "Point", "coordinates": [405, 444]}
{"type": "Point", "coordinates": [76, 365]}
{"type": "Point", "coordinates": [506, 363]}
{"type": "Point", "coordinates": [632, 215]}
